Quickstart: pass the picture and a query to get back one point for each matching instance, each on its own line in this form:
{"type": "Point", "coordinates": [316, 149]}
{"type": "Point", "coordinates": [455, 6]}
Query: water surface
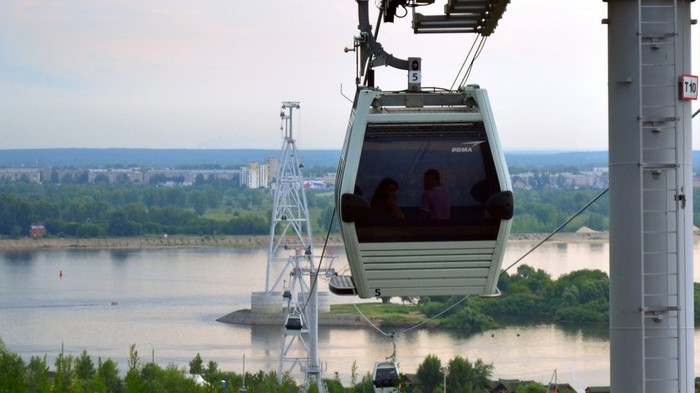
{"type": "Point", "coordinates": [167, 302]}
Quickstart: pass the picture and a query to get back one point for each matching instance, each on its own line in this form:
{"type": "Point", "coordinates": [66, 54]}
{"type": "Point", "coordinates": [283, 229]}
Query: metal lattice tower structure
{"type": "Point", "coordinates": [651, 255]}
{"type": "Point", "coordinates": [289, 227]}
{"type": "Point", "coordinates": [290, 232]}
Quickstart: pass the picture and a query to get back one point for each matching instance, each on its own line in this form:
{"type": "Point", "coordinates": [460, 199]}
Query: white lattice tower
{"type": "Point", "coordinates": [291, 246]}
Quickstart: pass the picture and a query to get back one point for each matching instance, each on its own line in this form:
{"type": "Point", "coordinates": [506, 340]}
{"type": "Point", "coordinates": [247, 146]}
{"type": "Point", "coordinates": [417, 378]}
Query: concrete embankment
{"type": "Point", "coordinates": [144, 242]}
{"type": "Point", "coordinates": [247, 317]}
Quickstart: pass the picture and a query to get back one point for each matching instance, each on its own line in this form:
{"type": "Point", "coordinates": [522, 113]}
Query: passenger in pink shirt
{"type": "Point", "coordinates": [435, 203]}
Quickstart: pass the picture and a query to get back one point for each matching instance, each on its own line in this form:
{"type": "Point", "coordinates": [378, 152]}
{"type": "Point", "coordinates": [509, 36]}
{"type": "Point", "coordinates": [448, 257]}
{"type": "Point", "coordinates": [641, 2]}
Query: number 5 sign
{"type": "Point", "coordinates": [688, 88]}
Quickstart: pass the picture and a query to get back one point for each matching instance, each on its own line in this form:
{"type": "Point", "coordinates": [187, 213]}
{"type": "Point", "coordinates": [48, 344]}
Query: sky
{"type": "Point", "coordinates": [213, 73]}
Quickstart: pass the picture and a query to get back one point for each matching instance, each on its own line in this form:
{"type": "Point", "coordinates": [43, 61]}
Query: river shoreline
{"type": "Point", "coordinates": [134, 243]}
{"type": "Point", "coordinates": [148, 242]}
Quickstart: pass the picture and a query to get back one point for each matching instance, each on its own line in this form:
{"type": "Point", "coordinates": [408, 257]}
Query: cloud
{"type": "Point", "coordinates": [213, 73]}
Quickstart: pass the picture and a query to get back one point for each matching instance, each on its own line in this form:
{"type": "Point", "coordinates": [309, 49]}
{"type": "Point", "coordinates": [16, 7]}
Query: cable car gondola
{"type": "Point", "coordinates": [386, 377]}
{"type": "Point", "coordinates": [399, 239]}
{"type": "Point", "coordinates": [294, 325]}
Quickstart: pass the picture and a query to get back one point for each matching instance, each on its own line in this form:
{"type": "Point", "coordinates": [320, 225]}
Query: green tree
{"type": "Point", "coordinates": [134, 382]}
{"type": "Point", "coordinates": [531, 388]}
{"type": "Point", "coordinates": [327, 216]}
{"type": "Point", "coordinates": [81, 177]}
{"type": "Point", "coordinates": [43, 209]}
{"type": "Point", "coordinates": [15, 215]}
{"type": "Point", "coordinates": [199, 202]}
{"type": "Point", "coordinates": [197, 365]}
{"type": "Point", "coordinates": [136, 212]}
{"type": "Point", "coordinates": [158, 179]}
{"type": "Point", "coordinates": [213, 198]}
{"type": "Point", "coordinates": [170, 215]}
{"type": "Point", "coordinates": [153, 378]}
{"type": "Point", "coordinates": [101, 179]}
{"type": "Point", "coordinates": [175, 196]}
{"type": "Point", "coordinates": [12, 371]}
{"type": "Point", "coordinates": [265, 382]}
{"type": "Point", "coordinates": [466, 377]}
{"type": "Point", "coordinates": [84, 368]}
{"type": "Point", "coordinates": [173, 380]}
{"type": "Point", "coordinates": [570, 295]}
{"type": "Point", "coordinates": [63, 378]}
{"type": "Point", "coordinates": [334, 385]}
{"type": "Point", "coordinates": [37, 377]}
{"type": "Point", "coordinates": [90, 230]}
{"type": "Point", "coordinates": [468, 319]}
{"type": "Point", "coordinates": [108, 375]}
{"type": "Point", "coordinates": [119, 224]}
{"type": "Point", "coordinates": [122, 178]}
{"type": "Point", "coordinates": [353, 372]}
{"type": "Point", "coordinates": [67, 178]}
{"type": "Point", "coordinates": [429, 373]}
{"type": "Point", "coordinates": [211, 372]}
{"type": "Point", "coordinates": [366, 385]}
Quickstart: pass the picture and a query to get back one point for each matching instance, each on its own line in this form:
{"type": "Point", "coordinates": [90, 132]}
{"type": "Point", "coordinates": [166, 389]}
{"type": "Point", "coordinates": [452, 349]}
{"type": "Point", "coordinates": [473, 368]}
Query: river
{"type": "Point", "coordinates": [166, 302]}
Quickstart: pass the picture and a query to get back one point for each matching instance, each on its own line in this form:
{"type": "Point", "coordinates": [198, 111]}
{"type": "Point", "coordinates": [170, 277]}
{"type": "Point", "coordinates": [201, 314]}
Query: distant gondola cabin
{"type": "Point", "coordinates": [294, 325]}
{"type": "Point", "coordinates": [386, 377]}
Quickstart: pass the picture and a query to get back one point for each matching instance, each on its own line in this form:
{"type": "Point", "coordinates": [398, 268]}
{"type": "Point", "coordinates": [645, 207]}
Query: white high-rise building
{"type": "Point", "coordinates": [250, 176]}
{"type": "Point", "coordinates": [257, 175]}
{"type": "Point", "coordinates": [274, 168]}
{"type": "Point", "coordinates": [264, 177]}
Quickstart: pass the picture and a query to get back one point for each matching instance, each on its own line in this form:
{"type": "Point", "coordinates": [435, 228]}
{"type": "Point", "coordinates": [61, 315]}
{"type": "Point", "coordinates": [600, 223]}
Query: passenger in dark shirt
{"type": "Point", "coordinates": [384, 205]}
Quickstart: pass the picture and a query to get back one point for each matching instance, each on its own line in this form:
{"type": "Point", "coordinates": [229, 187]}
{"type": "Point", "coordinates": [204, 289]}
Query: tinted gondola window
{"type": "Point", "coordinates": [392, 178]}
{"type": "Point", "coordinates": [386, 376]}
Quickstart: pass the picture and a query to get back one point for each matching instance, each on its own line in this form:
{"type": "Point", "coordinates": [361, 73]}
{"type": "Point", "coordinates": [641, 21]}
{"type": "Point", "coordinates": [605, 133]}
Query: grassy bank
{"type": "Point", "coordinates": [393, 315]}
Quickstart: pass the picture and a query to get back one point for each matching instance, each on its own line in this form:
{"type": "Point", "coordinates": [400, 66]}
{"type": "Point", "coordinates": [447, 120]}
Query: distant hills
{"type": "Point", "coordinates": [170, 158]}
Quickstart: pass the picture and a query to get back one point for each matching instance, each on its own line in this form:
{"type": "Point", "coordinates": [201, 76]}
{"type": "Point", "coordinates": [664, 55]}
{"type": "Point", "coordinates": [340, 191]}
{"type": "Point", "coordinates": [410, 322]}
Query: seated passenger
{"type": "Point", "coordinates": [435, 202]}
{"type": "Point", "coordinates": [384, 205]}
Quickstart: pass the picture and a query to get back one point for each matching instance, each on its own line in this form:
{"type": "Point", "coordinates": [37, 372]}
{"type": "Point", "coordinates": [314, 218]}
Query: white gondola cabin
{"type": "Point", "coordinates": [294, 325]}
{"type": "Point", "coordinates": [401, 239]}
{"type": "Point", "coordinates": [386, 377]}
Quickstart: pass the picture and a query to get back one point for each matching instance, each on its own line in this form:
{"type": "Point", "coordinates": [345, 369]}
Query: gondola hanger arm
{"type": "Point", "coordinates": [372, 53]}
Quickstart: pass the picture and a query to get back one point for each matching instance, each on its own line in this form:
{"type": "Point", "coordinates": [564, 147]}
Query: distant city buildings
{"type": "Point", "coordinates": [115, 176]}
{"type": "Point", "coordinates": [594, 178]}
{"type": "Point", "coordinates": [31, 175]}
{"type": "Point", "coordinates": [259, 175]}
{"type": "Point", "coordinates": [122, 176]}
{"type": "Point", "coordinates": [254, 175]}
{"type": "Point", "coordinates": [262, 175]}
{"type": "Point", "coordinates": [188, 176]}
